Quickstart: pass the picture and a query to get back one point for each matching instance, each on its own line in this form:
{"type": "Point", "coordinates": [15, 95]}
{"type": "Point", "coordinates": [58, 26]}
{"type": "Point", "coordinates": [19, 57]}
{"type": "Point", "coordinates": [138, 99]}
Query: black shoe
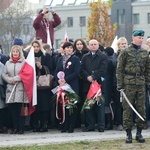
{"type": "Point", "coordinates": [27, 128]}
{"type": "Point", "coordinates": [20, 132]}
{"type": "Point", "coordinates": [43, 130]}
{"type": "Point", "coordinates": [15, 131]}
{"type": "Point", "coordinates": [63, 131]}
{"type": "Point", "coordinates": [88, 130]}
{"type": "Point", "coordinates": [36, 130]}
{"type": "Point", "coordinates": [101, 130]}
{"type": "Point", "coordinates": [3, 131]}
{"type": "Point", "coordinates": [109, 127]}
{"type": "Point", "coordinates": [140, 138]}
{"type": "Point", "coordinates": [70, 130]}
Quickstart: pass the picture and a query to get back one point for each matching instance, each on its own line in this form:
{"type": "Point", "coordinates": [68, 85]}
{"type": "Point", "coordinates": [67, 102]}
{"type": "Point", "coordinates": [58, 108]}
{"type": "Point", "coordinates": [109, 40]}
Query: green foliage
{"type": "Point", "coordinates": [89, 103]}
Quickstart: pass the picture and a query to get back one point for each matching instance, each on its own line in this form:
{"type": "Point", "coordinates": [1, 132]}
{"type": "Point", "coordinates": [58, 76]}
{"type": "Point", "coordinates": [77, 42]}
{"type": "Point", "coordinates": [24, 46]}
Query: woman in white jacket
{"type": "Point", "coordinates": [18, 96]}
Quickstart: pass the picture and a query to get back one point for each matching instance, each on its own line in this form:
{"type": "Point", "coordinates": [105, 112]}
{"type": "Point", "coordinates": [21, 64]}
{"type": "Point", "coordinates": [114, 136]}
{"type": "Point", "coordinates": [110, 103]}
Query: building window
{"type": "Point", "coordinates": [70, 21]}
{"type": "Point", "coordinates": [148, 18]}
{"type": "Point", "coordinates": [83, 21]}
{"type": "Point", "coordinates": [122, 16]}
{"type": "Point", "coordinates": [136, 19]}
{"type": "Point", "coordinates": [57, 41]}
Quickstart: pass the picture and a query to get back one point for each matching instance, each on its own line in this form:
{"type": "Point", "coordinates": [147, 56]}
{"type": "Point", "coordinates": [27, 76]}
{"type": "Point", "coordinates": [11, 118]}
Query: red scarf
{"type": "Point", "coordinates": [15, 59]}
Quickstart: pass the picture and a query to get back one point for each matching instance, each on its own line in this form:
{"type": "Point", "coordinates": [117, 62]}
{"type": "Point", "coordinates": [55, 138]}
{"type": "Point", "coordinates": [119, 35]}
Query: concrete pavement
{"type": "Point", "coordinates": [54, 136]}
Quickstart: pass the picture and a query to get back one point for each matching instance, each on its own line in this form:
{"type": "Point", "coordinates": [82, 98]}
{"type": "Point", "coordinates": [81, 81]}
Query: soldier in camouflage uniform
{"type": "Point", "coordinates": [133, 74]}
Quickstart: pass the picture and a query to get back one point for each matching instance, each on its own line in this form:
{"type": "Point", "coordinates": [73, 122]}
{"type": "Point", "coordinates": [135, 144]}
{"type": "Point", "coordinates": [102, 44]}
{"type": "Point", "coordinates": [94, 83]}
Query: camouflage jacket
{"type": "Point", "coordinates": [133, 67]}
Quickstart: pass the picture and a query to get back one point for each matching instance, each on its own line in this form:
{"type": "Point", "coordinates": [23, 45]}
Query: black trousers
{"type": "Point", "coordinates": [18, 121]}
{"type": "Point", "coordinates": [70, 119]}
{"type": "Point", "coordinates": [3, 117]}
{"type": "Point", "coordinates": [117, 107]}
{"type": "Point", "coordinates": [39, 118]}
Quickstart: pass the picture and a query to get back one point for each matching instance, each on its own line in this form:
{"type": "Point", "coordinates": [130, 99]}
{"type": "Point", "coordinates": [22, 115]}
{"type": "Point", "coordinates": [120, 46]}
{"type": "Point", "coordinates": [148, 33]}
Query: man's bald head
{"type": "Point", "coordinates": [93, 45]}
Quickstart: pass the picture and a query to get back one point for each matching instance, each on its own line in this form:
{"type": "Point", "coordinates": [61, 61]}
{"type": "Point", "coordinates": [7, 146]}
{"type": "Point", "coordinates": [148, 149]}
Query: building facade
{"type": "Point", "coordinates": [130, 15]}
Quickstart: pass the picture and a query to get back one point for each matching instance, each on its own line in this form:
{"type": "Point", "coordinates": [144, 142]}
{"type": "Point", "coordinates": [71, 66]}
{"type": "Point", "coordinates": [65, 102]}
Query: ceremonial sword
{"type": "Point", "coordinates": [127, 100]}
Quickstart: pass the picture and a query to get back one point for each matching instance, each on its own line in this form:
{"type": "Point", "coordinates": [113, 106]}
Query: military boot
{"type": "Point", "coordinates": [129, 136]}
{"type": "Point", "coordinates": [139, 136]}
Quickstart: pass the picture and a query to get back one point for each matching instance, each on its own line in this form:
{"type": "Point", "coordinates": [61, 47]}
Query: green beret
{"type": "Point", "coordinates": [138, 33]}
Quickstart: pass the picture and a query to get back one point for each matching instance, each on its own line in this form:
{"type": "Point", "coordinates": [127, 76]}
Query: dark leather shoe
{"type": "Point", "coordinates": [88, 130]}
{"type": "Point", "coordinates": [140, 138]}
{"type": "Point", "coordinates": [101, 130]}
{"type": "Point", "coordinates": [15, 131]}
{"type": "Point", "coordinates": [63, 131]}
{"type": "Point", "coordinates": [20, 132]}
{"type": "Point", "coordinates": [43, 130]}
{"type": "Point", "coordinates": [36, 130]}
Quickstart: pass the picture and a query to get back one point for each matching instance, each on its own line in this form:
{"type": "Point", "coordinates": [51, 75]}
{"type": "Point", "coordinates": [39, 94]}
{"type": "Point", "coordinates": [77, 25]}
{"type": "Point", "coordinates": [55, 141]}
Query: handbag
{"type": "Point", "coordinates": [24, 110]}
{"type": "Point", "coordinates": [45, 81]}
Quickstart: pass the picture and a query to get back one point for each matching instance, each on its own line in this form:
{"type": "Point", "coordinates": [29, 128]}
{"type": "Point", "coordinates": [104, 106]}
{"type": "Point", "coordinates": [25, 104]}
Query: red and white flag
{"type": "Point", "coordinates": [114, 44]}
{"type": "Point", "coordinates": [28, 77]}
{"type": "Point", "coordinates": [48, 37]}
{"type": "Point", "coordinates": [66, 39]}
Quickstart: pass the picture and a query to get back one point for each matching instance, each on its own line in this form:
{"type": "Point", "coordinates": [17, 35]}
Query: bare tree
{"type": "Point", "coordinates": [15, 21]}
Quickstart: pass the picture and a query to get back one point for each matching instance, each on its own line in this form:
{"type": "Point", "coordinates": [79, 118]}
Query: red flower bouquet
{"type": "Point", "coordinates": [94, 96]}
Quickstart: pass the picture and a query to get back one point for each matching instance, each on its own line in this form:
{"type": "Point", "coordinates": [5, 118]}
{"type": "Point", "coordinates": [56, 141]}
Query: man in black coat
{"type": "Point", "coordinates": [93, 68]}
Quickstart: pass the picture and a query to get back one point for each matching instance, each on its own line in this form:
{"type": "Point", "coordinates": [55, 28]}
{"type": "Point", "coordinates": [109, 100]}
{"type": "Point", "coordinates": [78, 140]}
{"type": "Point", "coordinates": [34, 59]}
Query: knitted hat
{"type": "Point", "coordinates": [66, 44]}
{"type": "Point", "coordinates": [109, 51]}
{"type": "Point", "coordinates": [138, 33]}
{"type": "Point", "coordinates": [18, 41]}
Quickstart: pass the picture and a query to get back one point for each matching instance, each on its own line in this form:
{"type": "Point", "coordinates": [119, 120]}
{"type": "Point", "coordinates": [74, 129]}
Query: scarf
{"type": "Point", "coordinates": [15, 60]}
{"type": "Point", "coordinates": [38, 54]}
{"type": "Point", "coordinates": [65, 59]}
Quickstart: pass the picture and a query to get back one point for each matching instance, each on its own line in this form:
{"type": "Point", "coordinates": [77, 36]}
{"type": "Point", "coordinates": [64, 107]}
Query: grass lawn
{"type": "Point", "coordinates": [87, 145]}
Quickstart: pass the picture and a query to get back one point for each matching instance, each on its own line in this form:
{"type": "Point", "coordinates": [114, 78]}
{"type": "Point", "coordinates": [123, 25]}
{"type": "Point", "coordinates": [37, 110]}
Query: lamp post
{"type": "Point", "coordinates": [81, 29]}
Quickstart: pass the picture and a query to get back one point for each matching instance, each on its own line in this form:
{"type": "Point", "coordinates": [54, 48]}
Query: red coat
{"type": "Point", "coordinates": [40, 27]}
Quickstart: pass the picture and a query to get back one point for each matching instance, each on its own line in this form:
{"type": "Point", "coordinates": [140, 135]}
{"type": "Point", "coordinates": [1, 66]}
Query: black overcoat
{"type": "Point", "coordinates": [93, 66]}
{"type": "Point", "coordinates": [44, 96]}
{"type": "Point", "coordinates": [71, 72]}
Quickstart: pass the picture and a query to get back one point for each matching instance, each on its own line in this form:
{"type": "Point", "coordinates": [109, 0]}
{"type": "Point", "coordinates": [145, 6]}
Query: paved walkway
{"type": "Point", "coordinates": [54, 136]}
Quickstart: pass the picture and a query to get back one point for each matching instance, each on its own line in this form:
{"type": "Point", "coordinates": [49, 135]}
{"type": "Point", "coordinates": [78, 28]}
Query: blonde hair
{"type": "Point", "coordinates": [120, 40]}
{"type": "Point", "coordinates": [40, 45]}
{"type": "Point", "coordinates": [17, 47]}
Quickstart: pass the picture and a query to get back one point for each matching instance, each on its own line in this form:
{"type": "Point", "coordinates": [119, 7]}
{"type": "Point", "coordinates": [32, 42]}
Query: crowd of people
{"type": "Point", "coordinates": [126, 68]}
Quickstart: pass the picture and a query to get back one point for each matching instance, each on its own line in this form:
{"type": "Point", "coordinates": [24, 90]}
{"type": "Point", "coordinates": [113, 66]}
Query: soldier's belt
{"type": "Point", "coordinates": [134, 74]}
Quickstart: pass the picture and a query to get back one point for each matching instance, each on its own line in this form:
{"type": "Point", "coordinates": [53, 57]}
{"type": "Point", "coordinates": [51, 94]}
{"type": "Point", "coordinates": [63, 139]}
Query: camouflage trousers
{"type": "Point", "coordinates": [136, 96]}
